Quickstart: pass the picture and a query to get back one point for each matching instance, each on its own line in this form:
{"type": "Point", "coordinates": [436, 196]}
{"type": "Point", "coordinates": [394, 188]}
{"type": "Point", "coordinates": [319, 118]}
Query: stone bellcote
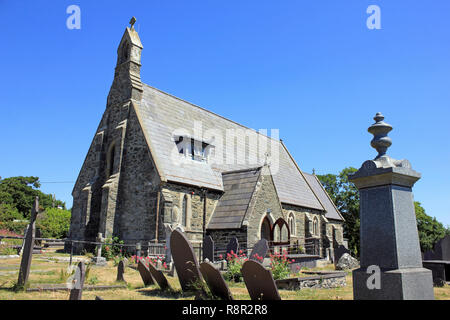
{"type": "Point", "coordinates": [127, 77]}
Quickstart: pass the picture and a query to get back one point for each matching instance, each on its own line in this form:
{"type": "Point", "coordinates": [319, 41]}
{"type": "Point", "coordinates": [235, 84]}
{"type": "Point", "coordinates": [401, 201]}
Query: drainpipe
{"type": "Point", "coordinates": [204, 211]}
{"type": "Point", "coordinates": [158, 197]}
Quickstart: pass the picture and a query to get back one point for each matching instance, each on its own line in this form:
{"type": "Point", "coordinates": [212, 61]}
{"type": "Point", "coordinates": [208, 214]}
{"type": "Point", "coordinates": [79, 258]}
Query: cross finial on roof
{"type": "Point", "coordinates": [132, 22]}
{"type": "Point", "coordinates": [314, 171]}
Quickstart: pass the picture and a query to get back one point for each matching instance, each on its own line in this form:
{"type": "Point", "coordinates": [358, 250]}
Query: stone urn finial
{"type": "Point", "coordinates": [381, 142]}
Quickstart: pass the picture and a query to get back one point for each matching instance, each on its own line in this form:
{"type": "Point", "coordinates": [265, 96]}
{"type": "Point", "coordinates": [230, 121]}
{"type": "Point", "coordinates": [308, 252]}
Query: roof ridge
{"type": "Point", "coordinates": [209, 111]}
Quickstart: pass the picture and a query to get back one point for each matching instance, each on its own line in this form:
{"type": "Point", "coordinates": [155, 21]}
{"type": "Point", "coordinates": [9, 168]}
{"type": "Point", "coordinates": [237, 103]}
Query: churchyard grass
{"type": "Point", "coordinates": [44, 271]}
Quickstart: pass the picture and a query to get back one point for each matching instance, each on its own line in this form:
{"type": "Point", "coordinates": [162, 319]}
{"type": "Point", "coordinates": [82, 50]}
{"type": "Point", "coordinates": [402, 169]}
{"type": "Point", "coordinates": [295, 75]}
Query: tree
{"type": "Point", "coordinates": [430, 230]}
{"type": "Point", "coordinates": [346, 197]}
{"type": "Point", "coordinates": [54, 223]}
{"type": "Point", "coordinates": [20, 192]}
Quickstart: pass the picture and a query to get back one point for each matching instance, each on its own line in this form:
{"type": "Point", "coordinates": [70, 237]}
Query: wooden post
{"type": "Point", "coordinates": [27, 253]}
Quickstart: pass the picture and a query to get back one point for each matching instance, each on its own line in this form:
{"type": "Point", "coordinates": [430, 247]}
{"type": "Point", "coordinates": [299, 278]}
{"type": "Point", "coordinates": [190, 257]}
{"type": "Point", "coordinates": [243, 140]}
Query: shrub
{"type": "Point", "coordinates": [16, 227]}
{"type": "Point", "coordinates": [234, 266]}
{"type": "Point", "coordinates": [279, 265]}
{"type": "Point", "coordinates": [111, 251]}
{"type": "Point", "coordinates": [54, 223]}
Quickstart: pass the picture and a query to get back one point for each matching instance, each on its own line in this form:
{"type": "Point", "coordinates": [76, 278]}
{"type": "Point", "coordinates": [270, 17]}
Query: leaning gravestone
{"type": "Point", "coordinates": [347, 262]}
{"type": "Point", "coordinates": [259, 250]}
{"type": "Point", "coordinates": [259, 281]}
{"type": "Point", "coordinates": [27, 252]}
{"type": "Point", "coordinates": [120, 271]}
{"type": "Point", "coordinates": [339, 251]}
{"type": "Point", "coordinates": [159, 277]}
{"type": "Point", "coordinates": [215, 281]}
{"type": "Point", "coordinates": [388, 230]}
{"type": "Point", "coordinates": [441, 250]}
{"type": "Point", "coordinates": [78, 282]}
{"type": "Point", "coordinates": [185, 261]}
{"type": "Point", "coordinates": [233, 245]}
{"type": "Point", "coordinates": [145, 273]}
{"type": "Point", "coordinates": [208, 248]}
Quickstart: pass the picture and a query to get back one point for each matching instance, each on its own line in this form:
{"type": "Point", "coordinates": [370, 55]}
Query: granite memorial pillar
{"type": "Point", "coordinates": [391, 262]}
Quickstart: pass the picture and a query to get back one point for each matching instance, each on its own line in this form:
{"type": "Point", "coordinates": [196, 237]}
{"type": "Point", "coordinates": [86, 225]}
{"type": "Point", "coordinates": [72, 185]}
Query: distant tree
{"type": "Point", "coordinates": [54, 223]}
{"type": "Point", "coordinates": [20, 192]}
{"type": "Point", "coordinates": [9, 213]}
{"type": "Point", "coordinates": [430, 230]}
{"type": "Point", "coordinates": [346, 197]}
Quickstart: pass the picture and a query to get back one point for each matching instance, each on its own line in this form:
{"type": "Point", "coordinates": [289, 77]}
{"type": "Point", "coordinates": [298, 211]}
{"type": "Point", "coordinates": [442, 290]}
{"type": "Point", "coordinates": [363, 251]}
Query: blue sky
{"type": "Point", "coordinates": [312, 69]}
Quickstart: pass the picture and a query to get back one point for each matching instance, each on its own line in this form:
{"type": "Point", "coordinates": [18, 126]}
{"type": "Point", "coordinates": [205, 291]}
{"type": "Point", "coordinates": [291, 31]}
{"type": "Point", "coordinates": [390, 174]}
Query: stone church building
{"type": "Point", "coordinates": [157, 163]}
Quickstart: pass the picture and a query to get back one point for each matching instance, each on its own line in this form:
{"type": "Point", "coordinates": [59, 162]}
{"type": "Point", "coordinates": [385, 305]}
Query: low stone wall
{"type": "Point", "coordinates": [321, 280]}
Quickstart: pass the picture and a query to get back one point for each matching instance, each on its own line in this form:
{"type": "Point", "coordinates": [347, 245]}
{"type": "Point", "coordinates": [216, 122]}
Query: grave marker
{"type": "Point", "coordinates": [185, 261]}
{"type": "Point", "coordinates": [233, 245]}
{"type": "Point", "coordinates": [120, 271]}
{"type": "Point", "coordinates": [259, 250]}
{"type": "Point", "coordinates": [259, 281]}
{"type": "Point", "coordinates": [78, 282]}
{"type": "Point", "coordinates": [159, 277]}
{"type": "Point", "coordinates": [215, 281]}
{"type": "Point", "coordinates": [145, 273]}
{"type": "Point", "coordinates": [28, 246]}
{"type": "Point", "coordinates": [388, 228]}
{"type": "Point", "coordinates": [208, 248]}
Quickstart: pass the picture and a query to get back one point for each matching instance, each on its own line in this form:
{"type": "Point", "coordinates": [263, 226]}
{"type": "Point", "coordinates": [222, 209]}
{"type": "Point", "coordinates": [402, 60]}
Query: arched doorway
{"type": "Point", "coordinates": [266, 230]}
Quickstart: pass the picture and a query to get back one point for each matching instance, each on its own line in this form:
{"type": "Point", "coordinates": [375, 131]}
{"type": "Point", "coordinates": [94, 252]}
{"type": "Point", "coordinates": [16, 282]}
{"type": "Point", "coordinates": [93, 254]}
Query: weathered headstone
{"type": "Point", "coordinates": [185, 262]}
{"type": "Point", "coordinates": [259, 281]}
{"type": "Point", "coordinates": [120, 271]}
{"type": "Point", "coordinates": [208, 248]}
{"type": "Point", "coordinates": [259, 250]}
{"type": "Point", "coordinates": [347, 262]}
{"type": "Point", "coordinates": [159, 277]}
{"type": "Point", "coordinates": [215, 281]}
{"type": "Point", "coordinates": [99, 260]}
{"type": "Point", "coordinates": [145, 273]}
{"type": "Point", "coordinates": [233, 245]}
{"type": "Point", "coordinates": [441, 250]}
{"type": "Point", "coordinates": [27, 252]}
{"type": "Point", "coordinates": [388, 230]}
{"type": "Point", "coordinates": [78, 282]}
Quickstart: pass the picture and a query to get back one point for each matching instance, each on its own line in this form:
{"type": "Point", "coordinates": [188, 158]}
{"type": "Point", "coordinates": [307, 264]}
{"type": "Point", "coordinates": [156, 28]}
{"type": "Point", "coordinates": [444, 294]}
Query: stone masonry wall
{"type": "Point", "coordinates": [264, 199]}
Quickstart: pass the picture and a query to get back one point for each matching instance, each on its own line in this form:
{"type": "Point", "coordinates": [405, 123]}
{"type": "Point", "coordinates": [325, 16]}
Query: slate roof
{"type": "Point", "coordinates": [238, 190]}
{"type": "Point", "coordinates": [331, 211]}
{"type": "Point", "coordinates": [162, 114]}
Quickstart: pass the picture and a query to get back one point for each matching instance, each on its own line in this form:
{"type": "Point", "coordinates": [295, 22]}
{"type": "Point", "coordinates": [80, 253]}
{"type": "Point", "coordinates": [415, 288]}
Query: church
{"type": "Point", "coordinates": [158, 163]}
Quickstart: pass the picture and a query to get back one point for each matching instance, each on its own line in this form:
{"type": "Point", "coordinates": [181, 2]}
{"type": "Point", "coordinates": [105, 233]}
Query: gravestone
{"type": "Point", "coordinates": [259, 250]}
{"type": "Point", "coordinates": [78, 282]}
{"type": "Point", "coordinates": [185, 261]}
{"type": "Point", "coordinates": [99, 260]}
{"type": "Point", "coordinates": [215, 281]}
{"type": "Point", "coordinates": [208, 248]}
{"type": "Point", "coordinates": [259, 281]}
{"type": "Point", "coordinates": [159, 277]}
{"type": "Point", "coordinates": [441, 250]}
{"type": "Point", "coordinates": [339, 252]}
{"type": "Point", "coordinates": [233, 245]}
{"type": "Point", "coordinates": [145, 273]}
{"type": "Point", "coordinates": [120, 271]}
{"type": "Point", "coordinates": [27, 252]}
{"type": "Point", "coordinates": [388, 229]}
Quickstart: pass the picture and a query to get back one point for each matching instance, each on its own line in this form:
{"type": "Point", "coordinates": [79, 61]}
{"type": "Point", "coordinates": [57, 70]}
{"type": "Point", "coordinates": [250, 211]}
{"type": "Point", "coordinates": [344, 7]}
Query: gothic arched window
{"type": "Point", "coordinates": [291, 221]}
{"type": "Point", "coordinates": [110, 160]}
{"type": "Point", "coordinates": [316, 226]}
